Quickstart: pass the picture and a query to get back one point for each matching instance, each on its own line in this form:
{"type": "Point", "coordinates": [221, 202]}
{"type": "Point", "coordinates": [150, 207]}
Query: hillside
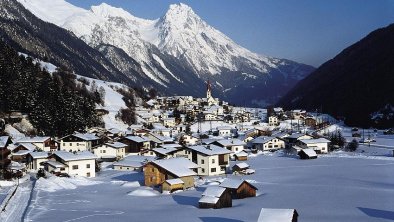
{"type": "Point", "coordinates": [357, 84]}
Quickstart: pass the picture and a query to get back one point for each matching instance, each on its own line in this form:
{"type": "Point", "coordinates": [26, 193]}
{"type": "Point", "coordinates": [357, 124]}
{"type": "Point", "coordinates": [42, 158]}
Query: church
{"type": "Point", "coordinates": [210, 100]}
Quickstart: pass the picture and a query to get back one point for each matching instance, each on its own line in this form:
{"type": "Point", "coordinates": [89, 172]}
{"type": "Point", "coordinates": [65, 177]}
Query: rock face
{"type": "Point", "coordinates": [176, 53]}
{"type": "Point", "coordinates": [357, 84]}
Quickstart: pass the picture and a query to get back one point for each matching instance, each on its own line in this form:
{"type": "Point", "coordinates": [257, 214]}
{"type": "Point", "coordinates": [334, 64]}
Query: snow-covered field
{"type": "Point", "coordinates": [336, 187]}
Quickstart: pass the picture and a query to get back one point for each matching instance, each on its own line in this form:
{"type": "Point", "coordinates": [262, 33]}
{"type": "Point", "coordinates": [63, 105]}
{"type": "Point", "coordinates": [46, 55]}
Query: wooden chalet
{"type": "Point", "coordinates": [136, 144]}
{"type": "Point", "coordinates": [241, 156]}
{"type": "Point", "coordinates": [172, 185]}
{"type": "Point", "coordinates": [276, 215]}
{"type": "Point", "coordinates": [157, 172]}
{"type": "Point", "coordinates": [239, 188]}
{"type": "Point", "coordinates": [307, 154]}
{"type": "Point", "coordinates": [4, 152]}
{"type": "Point", "coordinates": [216, 197]}
{"type": "Point", "coordinates": [242, 168]}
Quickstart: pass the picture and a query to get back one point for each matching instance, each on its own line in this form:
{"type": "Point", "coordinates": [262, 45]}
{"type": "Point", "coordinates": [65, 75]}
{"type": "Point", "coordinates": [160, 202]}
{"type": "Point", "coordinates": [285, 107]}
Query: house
{"type": "Point", "coordinates": [273, 121]}
{"type": "Point", "coordinates": [239, 188]}
{"type": "Point", "coordinates": [267, 143]}
{"type": "Point", "coordinates": [188, 140]}
{"type": "Point", "coordinates": [224, 131]}
{"type": "Point", "coordinates": [79, 142]}
{"type": "Point", "coordinates": [319, 145]}
{"type": "Point", "coordinates": [132, 163]}
{"type": "Point", "coordinates": [35, 160]}
{"type": "Point", "coordinates": [79, 163]}
{"type": "Point", "coordinates": [208, 116]}
{"type": "Point", "coordinates": [136, 145]}
{"type": "Point", "coordinates": [215, 197]}
{"type": "Point", "coordinates": [4, 152]}
{"type": "Point", "coordinates": [110, 151]}
{"type": "Point", "coordinates": [307, 154]}
{"type": "Point", "coordinates": [310, 121]}
{"type": "Point", "coordinates": [292, 139]}
{"type": "Point", "coordinates": [240, 167]}
{"type": "Point", "coordinates": [241, 156]}
{"type": "Point", "coordinates": [234, 145]}
{"type": "Point", "coordinates": [172, 185]}
{"type": "Point", "coordinates": [42, 143]}
{"type": "Point", "coordinates": [298, 114]}
{"type": "Point", "coordinates": [278, 215]}
{"type": "Point", "coordinates": [169, 122]}
{"type": "Point", "coordinates": [158, 171]}
{"type": "Point", "coordinates": [166, 151]}
{"type": "Point", "coordinates": [157, 140]}
{"type": "Point", "coordinates": [212, 159]}
{"type": "Point", "coordinates": [20, 151]}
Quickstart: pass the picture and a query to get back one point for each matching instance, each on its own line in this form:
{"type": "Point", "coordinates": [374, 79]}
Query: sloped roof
{"type": "Point", "coordinates": [178, 166]}
{"type": "Point", "coordinates": [116, 145]}
{"type": "Point", "coordinates": [164, 151]}
{"type": "Point", "coordinates": [231, 142]}
{"type": "Point", "coordinates": [175, 181]}
{"type": "Point", "coordinates": [214, 191]}
{"type": "Point", "coordinates": [242, 165]}
{"type": "Point", "coordinates": [262, 139]}
{"type": "Point", "coordinates": [314, 141]}
{"type": "Point", "coordinates": [38, 155]}
{"type": "Point", "coordinates": [210, 150]}
{"type": "Point", "coordinates": [68, 156]}
{"type": "Point", "coordinates": [208, 199]}
{"type": "Point", "coordinates": [137, 139]}
{"type": "Point", "coordinates": [309, 152]}
{"type": "Point", "coordinates": [276, 215]}
{"type": "Point", "coordinates": [37, 139]}
{"type": "Point", "coordinates": [3, 141]}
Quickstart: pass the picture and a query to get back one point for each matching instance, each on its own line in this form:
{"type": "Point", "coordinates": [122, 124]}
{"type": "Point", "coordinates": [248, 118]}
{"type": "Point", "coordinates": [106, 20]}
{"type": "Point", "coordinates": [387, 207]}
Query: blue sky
{"type": "Point", "coordinates": [307, 31]}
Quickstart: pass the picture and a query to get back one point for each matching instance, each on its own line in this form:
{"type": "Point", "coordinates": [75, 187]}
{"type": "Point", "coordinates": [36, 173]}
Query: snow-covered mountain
{"type": "Point", "coordinates": [177, 50]}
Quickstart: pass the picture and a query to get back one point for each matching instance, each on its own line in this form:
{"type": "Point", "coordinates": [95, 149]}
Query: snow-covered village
{"type": "Point", "coordinates": [143, 111]}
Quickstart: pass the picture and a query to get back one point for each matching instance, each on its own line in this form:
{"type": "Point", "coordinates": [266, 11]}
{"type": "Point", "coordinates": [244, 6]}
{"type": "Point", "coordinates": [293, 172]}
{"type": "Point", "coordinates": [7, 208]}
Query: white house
{"type": "Point", "coordinates": [78, 142]}
{"type": "Point", "coordinates": [42, 143]}
{"type": "Point", "coordinates": [188, 140]}
{"type": "Point", "coordinates": [234, 145]}
{"type": "Point", "coordinates": [208, 115]}
{"type": "Point", "coordinates": [267, 143]}
{"type": "Point", "coordinates": [81, 163]}
{"type": "Point", "coordinates": [212, 159]}
{"type": "Point", "coordinates": [169, 122]}
{"type": "Point", "coordinates": [224, 131]}
{"type": "Point", "coordinates": [273, 121]}
{"type": "Point", "coordinates": [318, 145]}
{"type": "Point", "coordinates": [35, 160]}
{"type": "Point", "coordinates": [115, 150]}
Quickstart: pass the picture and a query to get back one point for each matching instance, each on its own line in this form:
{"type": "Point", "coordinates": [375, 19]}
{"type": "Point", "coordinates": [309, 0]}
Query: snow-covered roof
{"type": "Point", "coordinates": [116, 145]}
{"type": "Point", "coordinates": [21, 152]}
{"type": "Point", "coordinates": [231, 183]}
{"type": "Point", "coordinates": [210, 150]}
{"type": "Point", "coordinates": [28, 146]}
{"type": "Point", "coordinates": [55, 164]}
{"type": "Point", "coordinates": [160, 138]}
{"type": "Point", "coordinates": [39, 155]}
{"type": "Point", "coordinates": [86, 136]}
{"type": "Point", "coordinates": [208, 199]}
{"type": "Point", "coordinates": [224, 128]}
{"type": "Point", "coordinates": [164, 151]}
{"type": "Point", "coordinates": [68, 156]}
{"type": "Point", "coordinates": [128, 163]}
{"type": "Point", "coordinates": [231, 142]}
{"type": "Point", "coordinates": [262, 139]}
{"type": "Point", "coordinates": [178, 166]}
{"type": "Point", "coordinates": [242, 165]}
{"type": "Point", "coordinates": [175, 181]}
{"type": "Point", "coordinates": [314, 141]}
{"type": "Point", "coordinates": [3, 141]}
{"type": "Point", "coordinates": [37, 139]}
{"type": "Point", "coordinates": [214, 191]}
{"type": "Point", "coordinates": [137, 139]}
{"type": "Point", "coordinates": [114, 131]}
{"type": "Point", "coordinates": [171, 145]}
{"type": "Point", "coordinates": [276, 215]}
{"type": "Point", "coordinates": [296, 135]}
{"type": "Point", "coordinates": [241, 154]}
{"type": "Point", "coordinates": [309, 152]}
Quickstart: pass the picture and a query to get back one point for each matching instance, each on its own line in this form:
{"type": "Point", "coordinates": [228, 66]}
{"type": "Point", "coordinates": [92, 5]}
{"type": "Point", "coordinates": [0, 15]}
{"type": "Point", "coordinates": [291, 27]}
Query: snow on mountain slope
{"type": "Point", "coordinates": [175, 47]}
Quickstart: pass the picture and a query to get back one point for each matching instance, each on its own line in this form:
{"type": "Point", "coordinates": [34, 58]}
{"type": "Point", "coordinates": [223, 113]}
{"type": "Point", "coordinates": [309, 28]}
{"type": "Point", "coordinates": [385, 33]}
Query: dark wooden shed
{"type": "Point", "coordinates": [239, 188]}
{"type": "Point", "coordinates": [216, 197]}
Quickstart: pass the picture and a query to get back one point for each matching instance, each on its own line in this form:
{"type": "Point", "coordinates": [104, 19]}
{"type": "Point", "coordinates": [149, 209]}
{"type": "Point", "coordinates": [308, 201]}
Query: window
{"type": "Point", "coordinates": [62, 169]}
{"type": "Point", "coordinates": [222, 168]}
{"type": "Point", "coordinates": [104, 151]}
{"type": "Point", "coordinates": [88, 166]}
{"type": "Point", "coordinates": [153, 169]}
{"type": "Point", "coordinates": [213, 170]}
{"type": "Point", "coordinates": [77, 144]}
{"type": "Point", "coordinates": [87, 174]}
{"type": "Point", "coordinates": [71, 144]}
{"type": "Point", "coordinates": [120, 167]}
{"type": "Point", "coordinates": [64, 144]}
{"type": "Point", "coordinates": [202, 161]}
{"type": "Point", "coordinates": [213, 160]}
{"type": "Point", "coordinates": [236, 148]}
{"type": "Point", "coordinates": [202, 170]}
{"type": "Point", "coordinates": [75, 167]}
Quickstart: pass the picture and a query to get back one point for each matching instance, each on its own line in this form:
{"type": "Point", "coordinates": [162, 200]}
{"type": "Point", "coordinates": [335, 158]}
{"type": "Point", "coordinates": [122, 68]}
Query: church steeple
{"type": "Point", "coordinates": [209, 89]}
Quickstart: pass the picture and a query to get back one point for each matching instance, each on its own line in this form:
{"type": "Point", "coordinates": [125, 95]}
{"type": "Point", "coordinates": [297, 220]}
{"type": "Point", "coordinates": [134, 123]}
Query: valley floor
{"type": "Point", "coordinates": [334, 187]}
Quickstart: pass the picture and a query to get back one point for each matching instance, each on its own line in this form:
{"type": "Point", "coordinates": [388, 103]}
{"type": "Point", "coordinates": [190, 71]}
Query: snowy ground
{"type": "Point", "coordinates": [335, 187]}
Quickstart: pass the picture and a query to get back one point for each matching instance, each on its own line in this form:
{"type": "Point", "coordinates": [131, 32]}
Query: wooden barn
{"type": "Point", "coordinates": [241, 156]}
{"type": "Point", "coordinates": [172, 185]}
{"type": "Point", "coordinates": [276, 215]}
{"type": "Point", "coordinates": [239, 188]}
{"type": "Point", "coordinates": [242, 168]}
{"type": "Point", "coordinates": [307, 154]}
{"type": "Point", "coordinates": [216, 197]}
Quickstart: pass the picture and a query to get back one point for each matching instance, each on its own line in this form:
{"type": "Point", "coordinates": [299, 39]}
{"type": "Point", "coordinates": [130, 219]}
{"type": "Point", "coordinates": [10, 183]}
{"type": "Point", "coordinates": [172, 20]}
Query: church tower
{"type": "Point", "coordinates": [209, 90]}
